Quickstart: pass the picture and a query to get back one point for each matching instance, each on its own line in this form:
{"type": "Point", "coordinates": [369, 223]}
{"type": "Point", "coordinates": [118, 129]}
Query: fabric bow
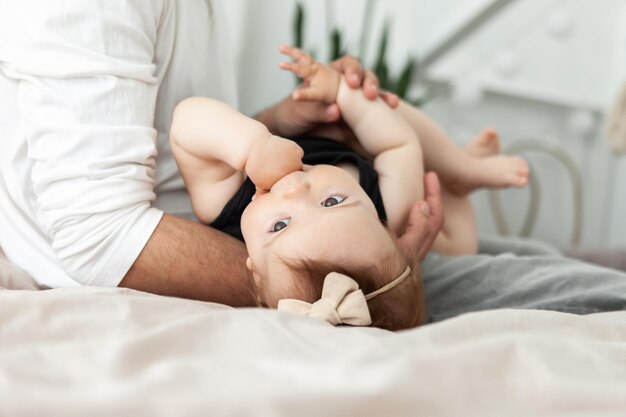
{"type": "Point", "coordinates": [342, 302]}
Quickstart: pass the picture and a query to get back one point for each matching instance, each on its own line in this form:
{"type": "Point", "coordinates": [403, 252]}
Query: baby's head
{"type": "Point", "coordinates": [318, 221]}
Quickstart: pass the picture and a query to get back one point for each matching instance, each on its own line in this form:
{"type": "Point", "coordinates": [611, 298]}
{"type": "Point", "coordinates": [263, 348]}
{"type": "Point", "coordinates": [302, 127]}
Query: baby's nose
{"type": "Point", "coordinates": [292, 185]}
{"type": "Point", "coordinates": [296, 187]}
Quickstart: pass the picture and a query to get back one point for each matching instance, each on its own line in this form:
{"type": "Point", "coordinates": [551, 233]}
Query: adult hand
{"type": "Point", "coordinates": [291, 118]}
{"type": "Point", "coordinates": [425, 221]}
{"type": "Point", "coordinates": [356, 77]}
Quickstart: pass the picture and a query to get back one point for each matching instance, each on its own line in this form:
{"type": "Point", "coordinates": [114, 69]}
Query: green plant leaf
{"type": "Point", "coordinates": [366, 24]}
{"type": "Point", "coordinates": [405, 78]}
{"type": "Point", "coordinates": [298, 31]}
{"type": "Point", "coordinates": [298, 25]}
{"type": "Point", "coordinates": [382, 72]}
{"type": "Point", "coordinates": [380, 68]}
{"type": "Point", "coordinates": [335, 44]}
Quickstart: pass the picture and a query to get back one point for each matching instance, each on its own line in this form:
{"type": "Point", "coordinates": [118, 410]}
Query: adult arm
{"type": "Point", "coordinates": [185, 259]}
{"type": "Point", "coordinates": [87, 104]}
{"type": "Point", "coordinates": [87, 109]}
{"type": "Point", "coordinates": [288, 118]}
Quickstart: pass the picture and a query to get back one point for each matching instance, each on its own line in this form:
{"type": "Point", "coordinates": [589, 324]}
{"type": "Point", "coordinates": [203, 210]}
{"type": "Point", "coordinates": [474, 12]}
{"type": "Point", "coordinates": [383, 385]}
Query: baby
{"type": "Point", "coordinates": [324, 231]}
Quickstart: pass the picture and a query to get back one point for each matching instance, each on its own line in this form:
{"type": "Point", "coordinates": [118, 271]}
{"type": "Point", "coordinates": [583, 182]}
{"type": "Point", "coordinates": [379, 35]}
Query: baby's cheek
{"type": "Point", "coordinates": [251, 225]}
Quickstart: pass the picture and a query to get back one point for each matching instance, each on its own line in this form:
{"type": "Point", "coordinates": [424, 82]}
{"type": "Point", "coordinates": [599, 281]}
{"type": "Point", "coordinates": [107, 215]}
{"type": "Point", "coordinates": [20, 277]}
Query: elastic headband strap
{"type": "Point", "coordinates": [389, 286]}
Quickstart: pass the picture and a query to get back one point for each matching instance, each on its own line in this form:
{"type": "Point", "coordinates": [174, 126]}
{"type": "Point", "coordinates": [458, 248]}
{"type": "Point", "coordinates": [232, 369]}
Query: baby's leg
{"type": "Point", "coordinates": [462, 172]}
{"type": "Point", "coordinates": [458, 235]}
{"type": "Point", "coordinates": [487, 143]}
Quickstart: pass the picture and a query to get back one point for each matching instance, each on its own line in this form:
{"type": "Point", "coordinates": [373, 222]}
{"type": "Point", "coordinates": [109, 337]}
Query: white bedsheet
{"type": "Point", "coordinates": [115, 352]}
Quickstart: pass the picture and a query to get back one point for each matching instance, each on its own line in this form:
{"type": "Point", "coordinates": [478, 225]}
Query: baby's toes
{"type": "Point", "coordinates": [491, 133]}
{"type": "Point", "coordinates": [522, 167]}
{"type": "Point", "coordinates": [522, 172]}
{"type": "Point", "coordinates": [521, 180]}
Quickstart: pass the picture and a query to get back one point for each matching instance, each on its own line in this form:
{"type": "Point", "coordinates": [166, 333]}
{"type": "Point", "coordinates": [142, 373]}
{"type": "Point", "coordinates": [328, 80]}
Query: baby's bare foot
{"type": "Point", "coordinates": [486, 168]}
{"type": "Point", "coordinates": [496, 171]}
{"type": "Point", "coordinates": [501, 171]}
{"type": "Point", "coordinates": [487, 143]}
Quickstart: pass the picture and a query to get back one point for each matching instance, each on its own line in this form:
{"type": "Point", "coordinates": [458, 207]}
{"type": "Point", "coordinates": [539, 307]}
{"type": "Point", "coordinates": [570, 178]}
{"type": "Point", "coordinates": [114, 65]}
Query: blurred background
{"type": "Point", "coordinates": [545, 73]}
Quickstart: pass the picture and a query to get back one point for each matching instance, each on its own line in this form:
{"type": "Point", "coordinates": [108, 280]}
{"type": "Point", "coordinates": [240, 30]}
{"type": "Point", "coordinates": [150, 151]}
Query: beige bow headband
{"type": "Point", "coordinates": [342, 301]}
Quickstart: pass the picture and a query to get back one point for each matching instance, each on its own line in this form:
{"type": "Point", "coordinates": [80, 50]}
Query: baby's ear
{"type": "Point", "coordinates": [260, 299]}
{"type": "Point", "coordinates": [258, 282]}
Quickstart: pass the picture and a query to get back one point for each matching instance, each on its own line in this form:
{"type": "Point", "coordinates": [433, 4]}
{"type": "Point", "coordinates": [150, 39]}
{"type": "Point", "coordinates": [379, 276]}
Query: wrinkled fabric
{"type": "Point", "coordinates": [114, 352]}
{"type": "Point", "coordinates": [88, 90]}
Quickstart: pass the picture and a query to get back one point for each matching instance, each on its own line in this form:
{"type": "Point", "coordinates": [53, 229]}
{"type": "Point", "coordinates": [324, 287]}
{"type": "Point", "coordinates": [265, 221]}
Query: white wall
{"type": "Point", "coordinates": [538, 63]}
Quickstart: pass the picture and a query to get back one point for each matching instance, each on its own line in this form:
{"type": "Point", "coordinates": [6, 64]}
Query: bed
{"type": "Point", "coordinates": [116, 352]}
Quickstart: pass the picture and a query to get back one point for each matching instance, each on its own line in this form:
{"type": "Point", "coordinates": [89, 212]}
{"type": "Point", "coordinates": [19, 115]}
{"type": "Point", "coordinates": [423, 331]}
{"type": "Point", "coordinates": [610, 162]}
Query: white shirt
{"type": "Point", "coordinates": [87, 90]}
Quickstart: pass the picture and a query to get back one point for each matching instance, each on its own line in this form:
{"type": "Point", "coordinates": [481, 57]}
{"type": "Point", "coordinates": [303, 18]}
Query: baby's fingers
{"type": "Point", "coordinates": [303, 71]}
{"type": "Point", "coordinates": [308, 94]}
{"type": "Point", "coordinates": [295, 53]}
{"type": "Point", "coordinates": [259, 191]}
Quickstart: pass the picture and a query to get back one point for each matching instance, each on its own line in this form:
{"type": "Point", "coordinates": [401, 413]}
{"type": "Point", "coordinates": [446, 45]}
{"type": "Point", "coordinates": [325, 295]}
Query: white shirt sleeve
{"type": "Point", "coordinates": [86, 95]}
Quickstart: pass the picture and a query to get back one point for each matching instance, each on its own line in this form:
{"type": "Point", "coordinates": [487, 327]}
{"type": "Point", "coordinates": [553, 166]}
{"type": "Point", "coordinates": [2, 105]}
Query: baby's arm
{"type": "Point", "coordinates": [381, 131]}
{"type": "Point", "coordinates": [214, 145]}
{"type": "Point", "coordinates": [397, 154]}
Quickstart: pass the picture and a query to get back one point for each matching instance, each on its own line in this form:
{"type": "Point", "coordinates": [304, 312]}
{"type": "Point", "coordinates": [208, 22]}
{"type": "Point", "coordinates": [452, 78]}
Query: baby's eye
{"type": "Point", "coordinates": [280, 225]}
{"type": "Point", "coordinates": [333, 200]}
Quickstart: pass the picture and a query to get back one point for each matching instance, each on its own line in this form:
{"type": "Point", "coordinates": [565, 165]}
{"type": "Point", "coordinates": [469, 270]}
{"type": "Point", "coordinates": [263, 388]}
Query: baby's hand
{"type": "Point", "coordinates": [321, 82]}
{"type": "Point", "coordinates": [271, 159]}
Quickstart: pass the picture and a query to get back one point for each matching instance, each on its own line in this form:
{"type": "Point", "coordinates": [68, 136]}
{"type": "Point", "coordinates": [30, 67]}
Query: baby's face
{"type": "Point", "coordinates": [319, 213]}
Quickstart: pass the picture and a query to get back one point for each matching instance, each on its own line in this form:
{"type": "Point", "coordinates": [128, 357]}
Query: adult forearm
{"type": "Point", "coordinates": [269, 117]}
{"type": "Point", "coordinates": [289, 118]}
{"type": "Point", "coordinates": [189, 260]}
